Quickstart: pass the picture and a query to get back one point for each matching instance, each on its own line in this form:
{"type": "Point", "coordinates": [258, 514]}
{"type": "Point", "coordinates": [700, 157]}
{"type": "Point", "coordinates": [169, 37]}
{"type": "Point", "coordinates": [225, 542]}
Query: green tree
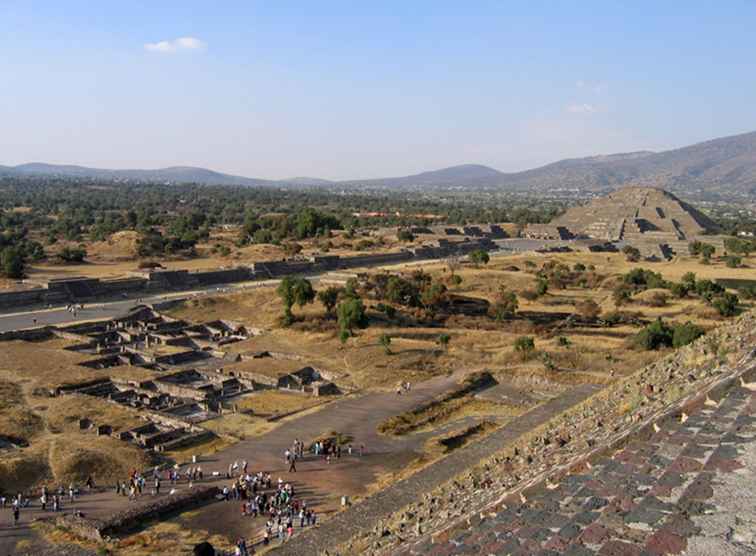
{"type": "Point", "coordinates": [385, 341]}
{"type": "Point", "coordinates": [542, 286]}
{"type": "Point", "coordinates": [351, 314]}
{"type": "Point", "coordinates": [443, 341]}
{"type": "Point", "coordinates": [13, 263]}
{"type": "Point", "coordinates": [685, 333]}
{"type": "Point", "coordinates": [654, 336]}
{"type": "Point", "coordinates": [329, 297]}
{"type": "Point", "coordinates": [294, 290]}
{"type": "Point", "coordinates": [707, 251]}
{"type": "Point", "coordinates": [479, 257]}
{"type": "Point", "coordinates": [726, 304]}
{"type": "Point", "coordinates": [689, 279]}
{"type": "Point", "coordinates": [506, 304]}
{"type": "Point", "coordinates": [525, 346]}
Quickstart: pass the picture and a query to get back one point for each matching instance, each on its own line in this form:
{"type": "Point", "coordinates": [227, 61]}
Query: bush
{"type": "Point", "coordinates": [656, 335]}
{"type": "Point", "coordinates": [631, 253]}
{"type": "Point", "coordinates": [525, 346]}
{"type": "Point", "coordinates": [405, 235]}
{"type": "Point", "coordinates": [564, 341]}
{"type": "Point", "coordinates": [456, 280]}
{"type": "Point", "coordinates": [505, 306]}
{"type": "Point", "coordinates": [679, 290]}
{"type": "Point", "coordinates": [642, 278]}
{"type": "Point", "coordinates": [621, 294]}
{"type": "Point", "coordinates": [479, 257]}
{"type": "Point", "coordinates": [542, 287]}
{"type": "Point", "coordinates": [72, 254]}
{"type": "Point", "coordinates": [708, 289]}
{"type": "Point", "coordinates": [686, 333]}
{"type": "Point", "coordinates": [733, 261]}
{"type": "Point", "coordinates": [657, 299]}
{"type": "Point", "coordinates": [726, 304]}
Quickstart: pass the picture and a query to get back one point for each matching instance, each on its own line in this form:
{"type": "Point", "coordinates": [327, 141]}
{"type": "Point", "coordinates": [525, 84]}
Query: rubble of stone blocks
{"type": "Point", "coordinates": [149, 339]}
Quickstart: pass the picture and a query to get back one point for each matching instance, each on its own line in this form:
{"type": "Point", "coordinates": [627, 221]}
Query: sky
{"type": "Point", "coordinates": [354, 89]}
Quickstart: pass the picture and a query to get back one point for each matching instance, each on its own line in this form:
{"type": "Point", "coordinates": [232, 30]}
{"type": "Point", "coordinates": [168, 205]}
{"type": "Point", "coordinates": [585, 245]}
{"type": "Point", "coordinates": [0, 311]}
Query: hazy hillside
{"type": "Point", "coordinates": [465, 174]}
{"type": "Point", "coordinates": [175, 174]}
{"type": "Point", "coordinates": [726, 165]}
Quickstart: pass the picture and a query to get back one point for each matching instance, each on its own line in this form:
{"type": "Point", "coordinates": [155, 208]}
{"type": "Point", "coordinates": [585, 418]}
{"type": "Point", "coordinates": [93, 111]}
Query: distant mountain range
{"type": "Point", "coordinates": [725, 165]}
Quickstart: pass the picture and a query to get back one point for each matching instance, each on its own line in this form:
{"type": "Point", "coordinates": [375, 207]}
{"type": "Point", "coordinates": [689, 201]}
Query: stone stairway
{"type": "Point", "coordinates": [644, 499]}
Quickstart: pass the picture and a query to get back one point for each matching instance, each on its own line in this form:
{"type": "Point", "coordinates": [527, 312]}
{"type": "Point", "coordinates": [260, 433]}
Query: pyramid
{"type": "Point", "coordinates": [648, 218]}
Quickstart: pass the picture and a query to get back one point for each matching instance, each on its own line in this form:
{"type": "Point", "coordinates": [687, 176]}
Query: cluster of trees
{"type": "Point", "coordinates": [16, 251]}
{"type": "Point", "coordinates": [302, 224]}
{"type": "Point", "coordinates": [704, 250]}
{"type": "Point", "coordinates": [345, 302]}
{"type": "Point", "coordinates": [659, 334]}
{"type": "Point", "coordinates": [640, 279]}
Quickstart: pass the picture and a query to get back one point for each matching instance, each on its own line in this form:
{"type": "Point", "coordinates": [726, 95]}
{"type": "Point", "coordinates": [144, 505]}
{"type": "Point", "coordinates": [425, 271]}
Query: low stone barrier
{"type": "Point", "coordinates": [134, 517]}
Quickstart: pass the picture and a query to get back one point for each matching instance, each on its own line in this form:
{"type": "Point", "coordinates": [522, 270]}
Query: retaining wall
{"type": "Point", "coordinates": [81, 288]}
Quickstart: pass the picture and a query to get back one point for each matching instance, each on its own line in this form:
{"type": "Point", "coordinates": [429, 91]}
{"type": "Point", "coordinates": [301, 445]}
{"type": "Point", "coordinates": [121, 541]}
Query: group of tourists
{"type": "Point", "coordinates": [48, 500]}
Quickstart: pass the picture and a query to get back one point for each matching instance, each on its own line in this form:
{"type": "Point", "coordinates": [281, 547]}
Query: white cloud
{"type": "Point", "coordinates": [181, 43]}
{"type": "Point", "coordinates": [583, 108]}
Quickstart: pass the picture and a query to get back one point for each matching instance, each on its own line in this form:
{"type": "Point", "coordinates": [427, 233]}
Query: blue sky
{"type": "Point", "coordinates": [363, 89]}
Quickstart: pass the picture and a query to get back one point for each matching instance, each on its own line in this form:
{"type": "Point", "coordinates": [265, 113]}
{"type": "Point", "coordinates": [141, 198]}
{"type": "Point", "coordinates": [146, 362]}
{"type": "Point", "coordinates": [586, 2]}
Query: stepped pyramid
{"type": "Point", "coordinates": [653, 220]}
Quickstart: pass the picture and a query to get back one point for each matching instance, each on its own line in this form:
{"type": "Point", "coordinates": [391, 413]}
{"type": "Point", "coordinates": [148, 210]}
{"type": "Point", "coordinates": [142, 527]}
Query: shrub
{"type": "Point", "coordinates": [726, 304]}
{"type": "Point", "coordinates": [686, 333]}
{"type": "Point", "coordinates": [505, 306]}
{"type": "Point", "coordinates": [405, 235]}
{"type": "Point", "coordinates": [642, 278]}
{"type": "Point", "coordinates": [708, 289]}
{"type": "Point", "coordinates": [564, 341]}
{"type": "Point", "coordinates": [733, 261]}
{"type": "Point", "coordinates": [656, 335]}
{"type": "Point", "coordinates": [479, 257]}
{"type": "Point", "coordinates": [631, 253]}
{"type": "Point", "coordinates": [525, 346]}
{"type": "Point", "coordinates": [385, 341]}
{"type": "Point", "coordinates": [542, 287]}
{"type": "Point", "coordinates": [657, 299]}
{"type": "Point", "coordinates": [443, 341]}
{"type": "Point", "coordinates": [679, 290]}
{"type": "Point", "coordinates": [621, 294]}
{"type": "Point", "coordinates": [72, 254]}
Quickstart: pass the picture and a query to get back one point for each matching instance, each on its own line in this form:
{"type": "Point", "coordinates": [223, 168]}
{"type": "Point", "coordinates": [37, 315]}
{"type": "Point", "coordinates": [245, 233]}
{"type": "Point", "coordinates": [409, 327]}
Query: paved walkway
{"type": "Point", "coordinates": [688, 489]}
{"type": "Point", "coordinates": [364, 515]}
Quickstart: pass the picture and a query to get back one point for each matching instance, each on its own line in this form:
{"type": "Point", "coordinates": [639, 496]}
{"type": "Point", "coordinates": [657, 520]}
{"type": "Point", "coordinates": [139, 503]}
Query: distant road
{"type": "Point", "coordinates": [106, 309]}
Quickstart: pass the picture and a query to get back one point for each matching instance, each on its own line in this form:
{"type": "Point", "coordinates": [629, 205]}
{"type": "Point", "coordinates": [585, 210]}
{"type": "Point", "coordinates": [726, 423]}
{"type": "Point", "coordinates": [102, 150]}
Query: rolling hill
{"type": "Point", "coordinates": [726, 165]}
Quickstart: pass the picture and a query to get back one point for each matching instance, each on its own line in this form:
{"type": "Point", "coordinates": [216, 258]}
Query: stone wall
{"type": "Point", "coordinates": [135, 516]}
{"type": "Point", "coordinates": [81, 288]}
